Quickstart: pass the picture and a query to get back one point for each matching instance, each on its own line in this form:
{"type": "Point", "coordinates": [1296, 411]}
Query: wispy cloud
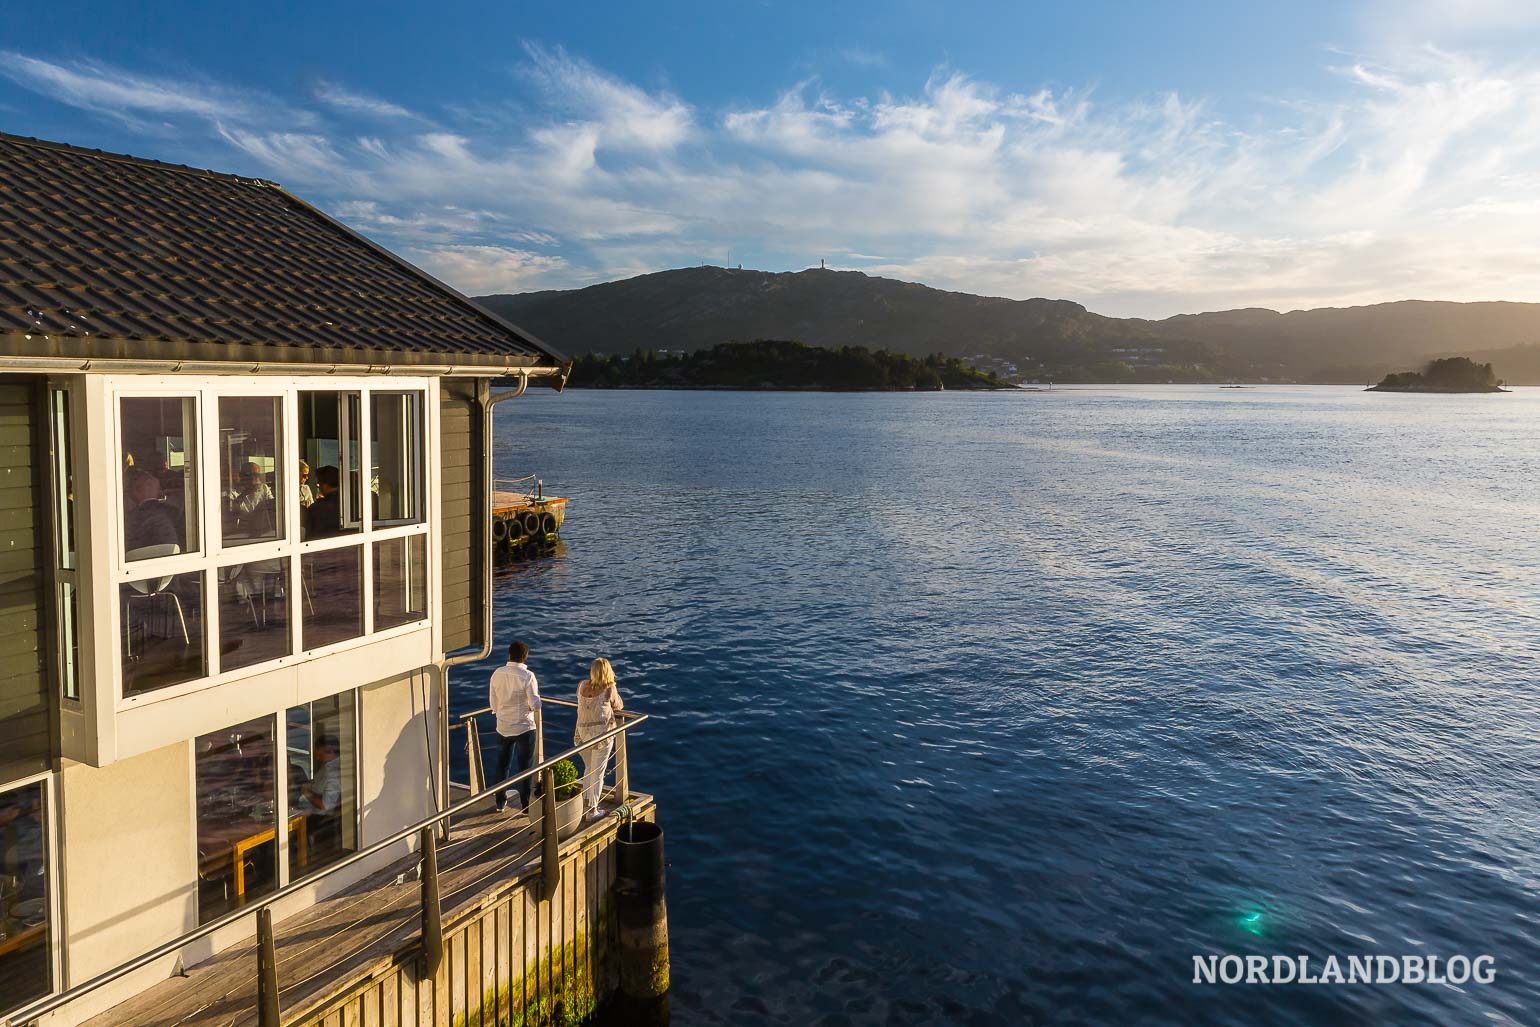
{"type": "Point", "coordinates": [104, 89]}
{"type": "Point", "coordinates": [487, 269]}
{"type": "Point", "coordinates": [608, 111]}
{"type": "Point", "coordinates": [1407, 173]}
{"type": "Point", "coordinates": [347, 101]}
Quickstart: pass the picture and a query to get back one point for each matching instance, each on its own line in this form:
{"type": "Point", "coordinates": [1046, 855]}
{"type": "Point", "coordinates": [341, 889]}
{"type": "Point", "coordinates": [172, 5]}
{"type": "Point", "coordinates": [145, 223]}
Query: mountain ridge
{"type": "Point", "coordinates": [694, 308]}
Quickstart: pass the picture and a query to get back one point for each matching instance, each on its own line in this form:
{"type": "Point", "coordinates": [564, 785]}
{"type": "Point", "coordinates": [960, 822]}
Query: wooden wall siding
{"type": "Point", "coordinates": [463, 534]}
{"type": "Point", "coordinates": [510, 960]}
{"type": "Point", "coordinates": [25, 725]}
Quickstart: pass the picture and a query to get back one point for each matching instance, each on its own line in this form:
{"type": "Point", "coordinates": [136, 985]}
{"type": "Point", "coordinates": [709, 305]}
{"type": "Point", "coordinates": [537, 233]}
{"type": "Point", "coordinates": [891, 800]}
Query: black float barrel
{"type": "Point", "coordinates": [642, 916]}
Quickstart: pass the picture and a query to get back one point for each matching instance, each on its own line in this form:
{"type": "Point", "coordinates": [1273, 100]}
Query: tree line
{"type": "Point", "coordinates": [779, 364]}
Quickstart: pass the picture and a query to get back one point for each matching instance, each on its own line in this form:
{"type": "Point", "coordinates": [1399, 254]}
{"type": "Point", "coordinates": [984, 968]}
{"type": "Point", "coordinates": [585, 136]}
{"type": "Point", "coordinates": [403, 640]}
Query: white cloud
{"type": "Point", "coordinates": [1390, 23]}
{"type": "Point", "coordinates": [481, 270]}
{"type": "Point", "coordinates": [1409, 174]}
{"type": "Point", "coordinates": [350, 102]}
{"type": "Point", "coordinates": [612, 113]}
{"type": "Point", "coordinates": [301, 153]}
{"type": "Point", "coordinates": [101, 88]}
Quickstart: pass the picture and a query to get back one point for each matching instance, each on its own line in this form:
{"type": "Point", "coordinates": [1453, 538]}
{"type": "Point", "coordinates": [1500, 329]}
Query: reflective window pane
{"type": "Point", "coordinates": [237, 818]}
{"type": "Point", "coordinates": [396, 426]}
{"type": "Point", "coordinates": [332, 602]}
{"type": "Point", "coordinates": [162, 631]}
{"type": "Point", "coordinates": [26, 970]}
{"type": "Point", "coordinates": [400, 581]}
{"type": "Point", "coordinates": [323, 795]}
{"type": "Point", "coordinates": [252, 478]}
{"type": "Point", "coordinates": [69, 641]}
{"type": "Point", "coordinates": [160, 476]}
{"type": "Point", "coordinates": [63, 491]}
{"type": "Point", "coordinates": [63, 479]}
{"type": "Point", "coordinates": [254, 613]}
{"type": "Point", "coordinates": [330, 445]}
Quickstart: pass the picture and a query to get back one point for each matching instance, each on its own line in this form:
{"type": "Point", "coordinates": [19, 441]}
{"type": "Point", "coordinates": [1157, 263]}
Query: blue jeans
{"type": "Point", "coordinates": [518, 749]}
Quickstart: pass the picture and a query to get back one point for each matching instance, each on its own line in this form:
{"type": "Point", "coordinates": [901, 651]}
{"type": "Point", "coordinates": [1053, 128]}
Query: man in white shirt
{"type": "Point", "coordinates": [323, 799]}
{"type": "Point", "coordinates": [514, 696]}
{"type": "Point", "coordinates": [324, 791]}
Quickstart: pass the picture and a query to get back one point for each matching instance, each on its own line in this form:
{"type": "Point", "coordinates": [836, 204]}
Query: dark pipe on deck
{"type": "Point", "coordinates": [642, 916]}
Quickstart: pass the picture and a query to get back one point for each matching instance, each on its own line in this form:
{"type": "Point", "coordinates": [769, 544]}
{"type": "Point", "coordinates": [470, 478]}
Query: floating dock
{"type": "Point", "coordinates": [524, 518]}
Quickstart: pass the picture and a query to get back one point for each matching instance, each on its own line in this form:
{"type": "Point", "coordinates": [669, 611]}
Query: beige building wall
{"type": "Point", "coordinates": [129, 865]}
{"type": "Point", "coordinates": [398, 721]}
{"type": "Point", "coordinates": [129, 874]}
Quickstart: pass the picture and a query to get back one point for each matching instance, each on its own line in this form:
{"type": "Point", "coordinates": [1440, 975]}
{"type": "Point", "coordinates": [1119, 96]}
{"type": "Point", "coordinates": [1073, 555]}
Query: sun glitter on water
{"type": "Point", "coordinates": [1253, 922]}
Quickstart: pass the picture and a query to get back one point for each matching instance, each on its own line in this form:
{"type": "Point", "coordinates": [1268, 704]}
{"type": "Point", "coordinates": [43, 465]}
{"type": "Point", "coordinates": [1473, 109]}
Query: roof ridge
{"type": "Point", "coordinates": [128, 158]}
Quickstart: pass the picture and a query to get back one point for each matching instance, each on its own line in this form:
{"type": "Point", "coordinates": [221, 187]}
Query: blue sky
{"type": "Point", "coordinates": [1142, 159]}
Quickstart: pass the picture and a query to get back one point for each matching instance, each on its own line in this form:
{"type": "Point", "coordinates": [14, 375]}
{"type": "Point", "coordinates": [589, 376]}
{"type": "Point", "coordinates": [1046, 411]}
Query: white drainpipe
{"type": "Point", "coordinates": [488, 401]}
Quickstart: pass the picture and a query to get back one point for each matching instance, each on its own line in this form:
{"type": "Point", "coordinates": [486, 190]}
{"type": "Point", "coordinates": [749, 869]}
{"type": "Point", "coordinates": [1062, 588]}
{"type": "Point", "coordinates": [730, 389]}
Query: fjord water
{"type": "Point", "coordinates": [999, 708]}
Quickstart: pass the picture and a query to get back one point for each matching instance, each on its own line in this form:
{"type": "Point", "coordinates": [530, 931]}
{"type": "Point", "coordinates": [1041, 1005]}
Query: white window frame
{"type": "Point", "coordinates": [281, 778]}
{"type": "Point", "coordinates": [62, 440]}
{"type": "Point", "coordinates": [52, 855]}
{"type": "Point", "coordinates": [281, 811]}
{"type": "Point", "coordinates": [213, 555]}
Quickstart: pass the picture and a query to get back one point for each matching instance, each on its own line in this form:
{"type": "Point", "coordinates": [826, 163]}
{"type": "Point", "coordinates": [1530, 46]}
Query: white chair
{"type": "Point", "coordinates": [270, 573]}
{"type": "Point", "coordinates": [151, 589]}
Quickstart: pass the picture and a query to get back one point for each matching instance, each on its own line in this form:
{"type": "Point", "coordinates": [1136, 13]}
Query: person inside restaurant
{"type": "Point", "coordinates": [323, 519]}
{"type": "Point", "coordinates": [148, 519]}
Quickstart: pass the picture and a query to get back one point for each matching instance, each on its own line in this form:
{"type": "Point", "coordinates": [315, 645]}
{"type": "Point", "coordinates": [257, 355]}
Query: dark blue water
{"type": "Point", "coordinates": [998, 709]}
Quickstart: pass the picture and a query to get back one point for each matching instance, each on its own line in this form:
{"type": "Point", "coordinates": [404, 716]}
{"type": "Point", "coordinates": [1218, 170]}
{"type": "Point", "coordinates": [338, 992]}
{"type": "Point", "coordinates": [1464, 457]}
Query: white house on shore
{"type": "Point", "coordinates": [243, 468]}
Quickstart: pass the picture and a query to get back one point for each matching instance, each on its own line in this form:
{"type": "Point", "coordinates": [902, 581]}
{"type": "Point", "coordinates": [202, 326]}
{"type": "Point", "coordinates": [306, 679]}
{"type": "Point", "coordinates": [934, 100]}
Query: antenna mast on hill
{"type": "Point", "coordinates": [820, 264]}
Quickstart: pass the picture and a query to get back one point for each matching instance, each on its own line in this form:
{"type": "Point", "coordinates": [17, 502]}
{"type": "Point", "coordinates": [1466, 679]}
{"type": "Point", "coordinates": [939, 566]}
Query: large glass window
{"type": "Point", "coordinates": [400, 581]}
{"type": "Point", "coordinates": [334, 596]}
{"type": "Point", "coordinates": [162, 636]}
{"type": "Point", "coordinates": [330, 444]}
{"type": "Point", "coordinates": [160, 476]}
{"type": "Point", "coordinates": [245, 590]}
{"type": "Point", "coordinates": [252, 476]}
{"type": "Point", "coordinates": [395, 422]}
{"type": "Point", "coordinates": [254, 613]}
{"type": "Point", "coordinates": [234, 771]}
{"type": "Point", "coordinates": [26, 969]}
{"type": "Point", "coordinates": [323, 791]}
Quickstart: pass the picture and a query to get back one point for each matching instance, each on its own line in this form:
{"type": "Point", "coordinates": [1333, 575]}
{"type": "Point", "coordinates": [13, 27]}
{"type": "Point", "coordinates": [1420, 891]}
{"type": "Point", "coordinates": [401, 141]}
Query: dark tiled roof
{"type": "Point", "coordinates": [105, 256]}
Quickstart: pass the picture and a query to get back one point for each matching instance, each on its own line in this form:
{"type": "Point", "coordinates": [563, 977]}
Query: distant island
{"type": "Point", "coordinates": [779, 364]}
{"type": "Point", "coordinates": [1451, 374]}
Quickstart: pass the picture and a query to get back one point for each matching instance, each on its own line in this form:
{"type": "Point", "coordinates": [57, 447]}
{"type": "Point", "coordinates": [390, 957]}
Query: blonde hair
{"type": "Point", "coordinates": [600, 675]}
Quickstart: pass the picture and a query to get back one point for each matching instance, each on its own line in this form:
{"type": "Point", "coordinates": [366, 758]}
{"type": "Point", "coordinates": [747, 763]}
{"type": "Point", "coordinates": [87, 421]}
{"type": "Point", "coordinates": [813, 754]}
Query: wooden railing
{"type": "Point", "coordinates": [427, 831]}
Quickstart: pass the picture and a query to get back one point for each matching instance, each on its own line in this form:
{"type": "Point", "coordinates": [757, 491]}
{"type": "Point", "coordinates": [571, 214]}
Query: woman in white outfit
{"type": "Point", "coordinates": [598, 701]}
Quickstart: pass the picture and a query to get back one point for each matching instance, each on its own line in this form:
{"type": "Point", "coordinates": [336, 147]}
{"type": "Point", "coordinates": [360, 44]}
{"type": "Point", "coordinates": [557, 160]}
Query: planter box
{"type": "Point", "coordinates": [569, 814]}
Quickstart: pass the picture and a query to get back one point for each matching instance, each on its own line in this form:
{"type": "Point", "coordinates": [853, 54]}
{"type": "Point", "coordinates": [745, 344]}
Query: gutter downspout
{"type": "Point", "coordinates": [487, 401]}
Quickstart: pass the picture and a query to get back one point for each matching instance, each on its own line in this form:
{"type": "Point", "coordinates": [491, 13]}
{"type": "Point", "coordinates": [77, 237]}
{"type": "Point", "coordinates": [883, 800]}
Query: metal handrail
{"type": "Point", "coordinates": [47, 1005]}
{"type": "Point", "coordinates": [476, 770]}
{"type": "Point", "coordinates": [626, 714]}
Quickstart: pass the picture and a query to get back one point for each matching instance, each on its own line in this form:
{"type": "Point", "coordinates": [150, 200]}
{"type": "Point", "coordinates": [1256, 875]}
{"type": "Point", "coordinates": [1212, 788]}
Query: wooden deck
{"type": "Point", "coordinates": [338, 944]}
{"type": "Point", "coordinates": [504, 503]}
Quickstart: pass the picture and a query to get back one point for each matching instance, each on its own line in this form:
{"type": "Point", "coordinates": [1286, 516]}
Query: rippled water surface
{"type": "Point", "coordinates": [998, 709]}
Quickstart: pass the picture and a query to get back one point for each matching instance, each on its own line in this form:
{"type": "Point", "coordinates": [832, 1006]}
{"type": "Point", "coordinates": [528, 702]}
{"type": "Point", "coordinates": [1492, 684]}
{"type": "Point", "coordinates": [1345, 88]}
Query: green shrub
{"type": "Point", "coordinates": [566, 775]}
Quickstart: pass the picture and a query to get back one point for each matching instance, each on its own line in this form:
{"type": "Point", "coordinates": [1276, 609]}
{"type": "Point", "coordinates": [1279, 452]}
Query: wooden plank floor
{"type": "Point", "coordinates": [346, 939]}
{"type": "Point", "coordinates": [509, 502]}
